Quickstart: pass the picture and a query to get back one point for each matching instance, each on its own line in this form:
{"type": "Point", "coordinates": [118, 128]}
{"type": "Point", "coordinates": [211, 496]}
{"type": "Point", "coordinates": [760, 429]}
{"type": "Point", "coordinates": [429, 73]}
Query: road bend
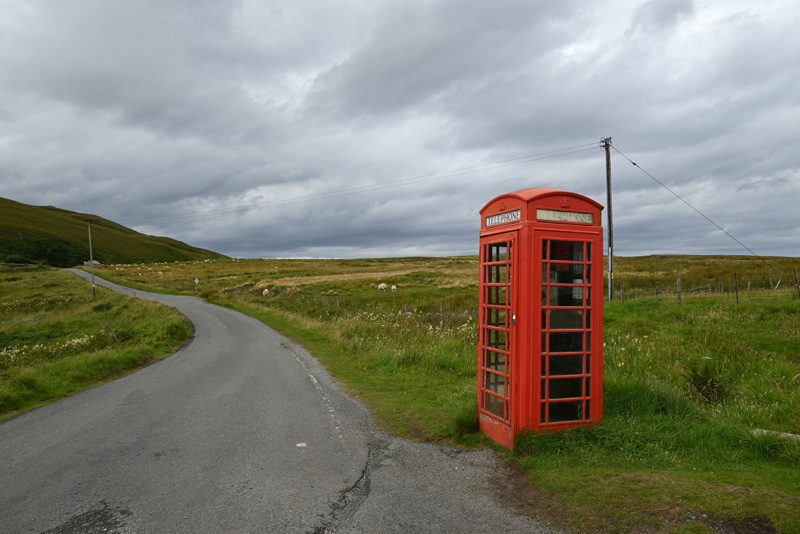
{"type": "Point", "coordinates": [241, 430]}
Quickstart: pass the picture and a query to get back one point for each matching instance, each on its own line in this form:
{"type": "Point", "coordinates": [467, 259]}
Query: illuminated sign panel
{"type": "Point", "coordinates": [511, 216]}
{"type": "Point", "coordinates": [563, 216]}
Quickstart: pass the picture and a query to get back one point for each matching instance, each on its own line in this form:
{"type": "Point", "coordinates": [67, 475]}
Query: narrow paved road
{"type": "Point", "coordinates": [239, 431]}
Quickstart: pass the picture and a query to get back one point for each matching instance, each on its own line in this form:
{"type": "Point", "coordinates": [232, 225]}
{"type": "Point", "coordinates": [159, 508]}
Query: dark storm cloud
{"type": "Point", "coordinates": [265, 128]}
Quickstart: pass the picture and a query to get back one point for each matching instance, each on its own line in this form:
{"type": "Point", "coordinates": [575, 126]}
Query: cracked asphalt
{"type": "Point", "coordinates": [240, 431]}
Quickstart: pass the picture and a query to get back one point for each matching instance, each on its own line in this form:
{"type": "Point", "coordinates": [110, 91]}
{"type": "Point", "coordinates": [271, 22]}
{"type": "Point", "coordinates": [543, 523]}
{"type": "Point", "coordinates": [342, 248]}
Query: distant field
{"type": "Point", "coordinates": [684, 384]}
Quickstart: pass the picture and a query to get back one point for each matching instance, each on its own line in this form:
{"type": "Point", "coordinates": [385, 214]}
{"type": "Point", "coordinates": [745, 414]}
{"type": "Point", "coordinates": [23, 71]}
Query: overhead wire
{"type": "Point", "coordinates": [659, 182]}
{"type": "Point", "coordinates": [382, 185]}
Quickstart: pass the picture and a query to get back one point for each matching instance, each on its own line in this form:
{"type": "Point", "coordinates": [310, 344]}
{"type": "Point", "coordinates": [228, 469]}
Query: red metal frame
{"type": "Point", "coordinates": [540, 313]}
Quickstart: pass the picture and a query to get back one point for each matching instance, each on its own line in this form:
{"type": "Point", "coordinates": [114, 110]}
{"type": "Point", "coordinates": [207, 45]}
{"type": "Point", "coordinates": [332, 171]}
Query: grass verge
{"type": "Point", "coordinates": [56, 339]}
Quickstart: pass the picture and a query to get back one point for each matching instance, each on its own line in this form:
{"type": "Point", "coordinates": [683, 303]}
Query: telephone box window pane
{"type": "Point", "coordinates": [565, 411]}
{"type": "Point", "coordinates": [566, 341]}
{"type": "Point", "coordinates": [566, 296]}
{"type": "Point", "coordinates": [544, 342]}
{"type": "Point", "coordinates": [494, 383]}
{"type": "Point", "coordinates": [544, 296]}
{"type": "Point", "coordinates": [566, 319]}
{"type": "Point", "coordinates": [588, 388]}
{"type": "Point", "coordinates": [544, 248]}
{"type": "Point", "coordinates": [566, 250]}
{"type": "Point", "coordinates": [495, 361]}
{"type": "Point", "coordinates": [494, 405]}
{"type": "Point", "coordinates": [496, 274]}
{"type": "Point", "coordinates": [588, 250]}
{"type": "Point", "coordinates": [497, 339]}
{"type": "Point", "coordinates": [566, 365]}
{"type": "Point", "coordinates": [498, 252]}
{"type": "Point", "coordinates": [496, 317]}
{"type": "Point", "coordinates": [544, 365]}
{"type": "Point", "coordinates": [544, 389]}
{"type": "Point", "coordinates": [566, 388]}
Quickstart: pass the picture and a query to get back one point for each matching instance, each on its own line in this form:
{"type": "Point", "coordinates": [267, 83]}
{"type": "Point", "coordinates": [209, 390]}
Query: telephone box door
{"type": "Point", "coordinates": [497, 301]}
{"type": "Point", "coordinates": [571, 371]}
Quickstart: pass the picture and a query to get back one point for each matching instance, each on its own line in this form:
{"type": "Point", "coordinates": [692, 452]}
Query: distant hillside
{"type": "Point", "coordinates": [60, 238]}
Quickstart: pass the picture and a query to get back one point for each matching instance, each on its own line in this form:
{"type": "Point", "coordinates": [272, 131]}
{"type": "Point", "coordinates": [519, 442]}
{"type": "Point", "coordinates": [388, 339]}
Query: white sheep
{"type": "Point", "coordinates": [382, 288]}
{"type": "Point", "coordinates": [265, 293]}
{"type": "Point", "coordinates": [394, 288]}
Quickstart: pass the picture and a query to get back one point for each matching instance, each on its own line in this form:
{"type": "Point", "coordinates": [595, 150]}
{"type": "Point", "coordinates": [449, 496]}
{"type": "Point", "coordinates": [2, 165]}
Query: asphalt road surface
{"type": "Point", "coordinates": [239, 431]}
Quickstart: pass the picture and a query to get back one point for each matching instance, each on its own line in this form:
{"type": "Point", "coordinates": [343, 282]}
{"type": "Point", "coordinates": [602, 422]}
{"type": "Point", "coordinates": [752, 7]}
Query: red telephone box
{"type": "Point", "coordinates": [540, 313]}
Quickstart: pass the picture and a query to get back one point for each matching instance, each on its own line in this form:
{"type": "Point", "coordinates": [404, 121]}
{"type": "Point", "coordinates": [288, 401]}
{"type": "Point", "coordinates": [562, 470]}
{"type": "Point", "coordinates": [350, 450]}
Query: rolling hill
{"type": "Point", "coordinates": [60, 238]}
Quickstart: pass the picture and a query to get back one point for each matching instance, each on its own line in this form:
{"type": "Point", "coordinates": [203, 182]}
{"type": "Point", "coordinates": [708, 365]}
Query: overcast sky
{"type": "Point", "coordinates": [372, 128]}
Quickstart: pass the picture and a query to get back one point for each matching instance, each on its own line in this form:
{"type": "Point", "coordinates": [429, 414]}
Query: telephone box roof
{"type": "Point", "coordinates": [536, 193]}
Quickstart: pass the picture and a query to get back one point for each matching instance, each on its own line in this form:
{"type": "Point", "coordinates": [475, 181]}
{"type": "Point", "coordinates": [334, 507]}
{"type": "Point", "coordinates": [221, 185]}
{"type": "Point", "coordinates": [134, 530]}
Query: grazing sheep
{"type": "Point", "coordinates": [382, 288]}
{"type": "Point", "coordinates": [265, 293]}
{"type": "Point", "coordinates": [394, 288]}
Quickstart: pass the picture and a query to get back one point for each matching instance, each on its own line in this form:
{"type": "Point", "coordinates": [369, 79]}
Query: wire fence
{"type": "Point", "coordinates": [680, 287]}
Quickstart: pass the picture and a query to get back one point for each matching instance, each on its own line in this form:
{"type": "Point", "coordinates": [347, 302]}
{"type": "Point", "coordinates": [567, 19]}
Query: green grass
{"type": "Point", "coordinates": [684, 385]}
{"type": "Point", "coordinates": [56, 339]}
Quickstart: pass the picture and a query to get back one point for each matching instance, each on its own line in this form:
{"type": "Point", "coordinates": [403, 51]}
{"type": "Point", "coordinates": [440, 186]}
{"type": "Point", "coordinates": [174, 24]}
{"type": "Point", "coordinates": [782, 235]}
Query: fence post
{"type": "Point", "coordinates": [679, 290]}
{"type": "Point", "coordinates": [796, 282]}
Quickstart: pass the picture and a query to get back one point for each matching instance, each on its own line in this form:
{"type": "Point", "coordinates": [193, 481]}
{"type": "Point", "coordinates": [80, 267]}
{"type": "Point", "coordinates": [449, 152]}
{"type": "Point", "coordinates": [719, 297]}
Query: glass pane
{"type": "Point", "coordinates": [496, 274]}
{"type": "Point", "coordinates": [588, 410]}
{"type": "Point", "coordinates": [496, 339]}
{"type": "Point", "coordinates": [544, 342]}
{"type": "Point", "coordinates": [588, 388]}
{"type": "Point", "coordinates": [544, 249]}
{"type": "Point", "coordinates": [565, 411]}
{"type": "Point", "coordinates": [566, 365]}
{"type": "Point", "coordinates": [498, 252]}
{"type": "Point", "coordinates": [544, 295]}
{"type": "Point", "coordinates": [566, 341]}
{"type": "Point", "coordinates": [544, 319]}
{"type": "Point", "coordinates": [566, 250]}
{"type": "Point", "coordinates": [566, 273]}
{"type": "Point", "coordinates": [566, 388]}
{"type": "Point", "coordinates": [496, 317]}
{"type": "Point", "coordinates": [544, 365]}
{"type": "Point", "coordinates": [566, 319]}
{"type": "Point", "coordinates": [544, 389]}
{"type": "Point", "coordinates": [494, 405]}
{"type": "Point", "coordinates": [566, 296]}
{"type": "Point", "coordinates": [495, 360]}
{"type": "Point", "coordinates": [496, 295]}
{"type": "Point", "coordinates": [494, 383]}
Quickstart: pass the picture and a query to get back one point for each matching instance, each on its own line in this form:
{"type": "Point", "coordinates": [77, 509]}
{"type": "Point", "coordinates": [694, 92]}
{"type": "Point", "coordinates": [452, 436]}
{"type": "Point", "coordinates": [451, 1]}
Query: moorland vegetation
{"type": "Point", "coordinates": [686, 384]}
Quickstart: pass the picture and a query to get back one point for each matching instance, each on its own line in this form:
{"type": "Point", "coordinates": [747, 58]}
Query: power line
{"type": "Point", "coordinates": [383, 185]}
{"type": "Point", "coordinates": [659, 182]}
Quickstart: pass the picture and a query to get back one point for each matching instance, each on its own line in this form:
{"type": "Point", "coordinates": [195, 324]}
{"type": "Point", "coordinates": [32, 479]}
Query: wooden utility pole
{"type": "Point", "coordinates": [607, 144]}
{"type": "Point", "coordinates": [91, 259]}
